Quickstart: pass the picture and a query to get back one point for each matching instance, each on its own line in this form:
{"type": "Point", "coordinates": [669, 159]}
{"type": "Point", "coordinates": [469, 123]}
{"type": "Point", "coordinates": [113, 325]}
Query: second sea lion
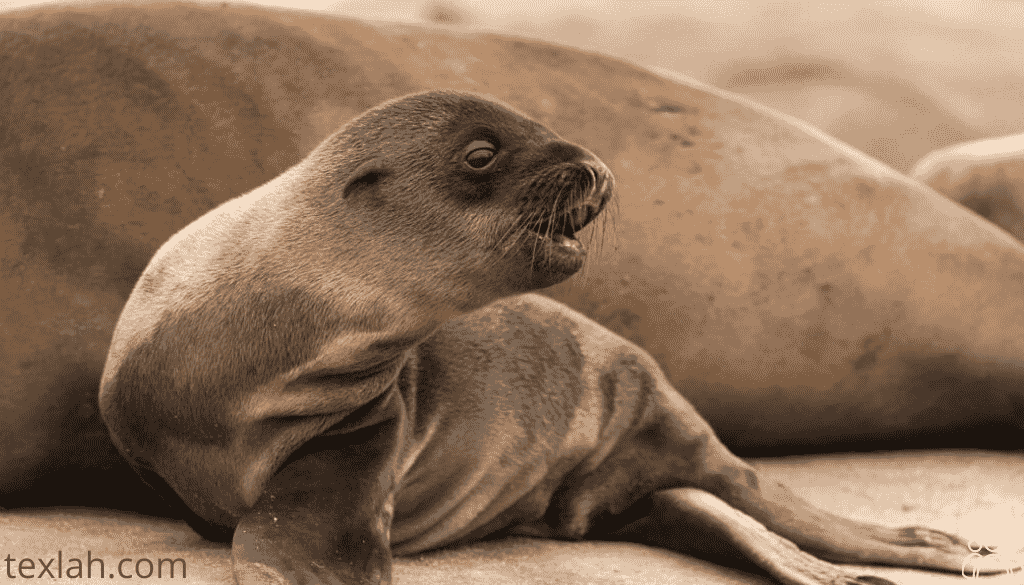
{"type": "Point", "coordinates": [986, 176]}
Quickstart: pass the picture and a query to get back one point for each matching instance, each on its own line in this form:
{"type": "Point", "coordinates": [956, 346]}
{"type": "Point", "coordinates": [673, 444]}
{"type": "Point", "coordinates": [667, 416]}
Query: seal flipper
{"type": "Point", "coordinates": [688, 519]}
{"type": "Point", "coordinates": [325, 517]}
{"type": "Point", "coordinates": [843, 539]}
{"type": "Point", "coordinates": [723, 494]}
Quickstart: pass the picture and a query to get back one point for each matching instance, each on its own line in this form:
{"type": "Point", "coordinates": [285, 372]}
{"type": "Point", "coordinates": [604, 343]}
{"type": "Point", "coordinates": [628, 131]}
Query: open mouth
{"type": "Point", "coordinates": [558, 234]}
{"type": "Point", "coordinates": [561, 231]}
{"type": "Point", "coordinates": [569, 198]}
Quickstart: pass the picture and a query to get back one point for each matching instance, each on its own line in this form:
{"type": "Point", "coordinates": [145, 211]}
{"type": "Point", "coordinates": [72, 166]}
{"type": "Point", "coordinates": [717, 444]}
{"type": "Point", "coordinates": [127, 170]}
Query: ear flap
{"type": "Point", "coordinates": [365, 176]}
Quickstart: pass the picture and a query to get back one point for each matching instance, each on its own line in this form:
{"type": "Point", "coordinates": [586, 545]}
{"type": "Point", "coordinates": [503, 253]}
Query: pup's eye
{"type": "Point", "coordinates": [480, 153]}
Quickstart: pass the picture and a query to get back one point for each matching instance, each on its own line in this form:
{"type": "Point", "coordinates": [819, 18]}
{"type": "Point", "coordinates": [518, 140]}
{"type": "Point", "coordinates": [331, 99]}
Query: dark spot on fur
{"type": "Point", "coordinates": [871, 346]}
{"type": "Point", "coordinates": [825, 291]}
{"type": "Point", "coordinates": [968, 267]}
{"type": "Point", "coordinates": [751, 478]}
{"type": "Point", "coordinates": [683, 141]}
{"type": "Point", "coordinates": [865, 255]}
{"type": "Point", "coordinates": [667, 108]}
{"type": "Point", "coordinates": [865, 191]}
{"type": "Point", "coordinates": [444, 13]}
{"type": "Point", "coordinates": [624, 318]}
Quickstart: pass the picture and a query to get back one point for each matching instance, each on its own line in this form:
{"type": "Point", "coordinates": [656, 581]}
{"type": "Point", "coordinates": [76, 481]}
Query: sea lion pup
{"type": "Point", "coordinates": [323, 370]}
{"type": "Point", "coordinates": [986, 176]}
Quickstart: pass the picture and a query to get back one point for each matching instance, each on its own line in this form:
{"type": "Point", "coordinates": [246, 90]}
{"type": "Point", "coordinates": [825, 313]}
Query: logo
{"type": "Point", "coordinates": [984, 559]}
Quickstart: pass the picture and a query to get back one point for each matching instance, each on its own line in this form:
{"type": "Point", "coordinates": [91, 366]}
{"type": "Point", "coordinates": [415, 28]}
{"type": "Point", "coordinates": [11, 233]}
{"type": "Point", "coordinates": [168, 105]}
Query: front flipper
{"type": "Point", "coordinates": [325, 517]}
{"type": "Point", "coordinates": [690, 519]}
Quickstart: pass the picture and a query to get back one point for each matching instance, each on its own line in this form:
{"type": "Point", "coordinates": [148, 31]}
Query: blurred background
{"type": "Point", "coordinates": [894, 79]}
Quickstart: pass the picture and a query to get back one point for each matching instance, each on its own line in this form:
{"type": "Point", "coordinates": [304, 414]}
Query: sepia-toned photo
{"type": "Point", "coordinates": [550, 293]}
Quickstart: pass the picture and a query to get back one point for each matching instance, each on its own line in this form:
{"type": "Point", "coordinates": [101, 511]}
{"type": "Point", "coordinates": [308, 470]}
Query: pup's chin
{"type": "Point", "coordinates": [550, 258]}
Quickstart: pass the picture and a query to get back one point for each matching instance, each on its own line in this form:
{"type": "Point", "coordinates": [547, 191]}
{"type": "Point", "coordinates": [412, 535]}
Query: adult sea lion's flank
{"type": "Point", "coordinates": [339, 364]}
{"type": "Point", "coordinates": [985, 176]}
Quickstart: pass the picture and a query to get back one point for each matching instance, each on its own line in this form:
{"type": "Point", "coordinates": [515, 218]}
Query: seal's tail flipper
{"type": "Point", "coordinates": [777, 512]}
{"type": "Point", "coordinates": [845, 540]}
{"type": "Point", "coordinates": [687, 519]}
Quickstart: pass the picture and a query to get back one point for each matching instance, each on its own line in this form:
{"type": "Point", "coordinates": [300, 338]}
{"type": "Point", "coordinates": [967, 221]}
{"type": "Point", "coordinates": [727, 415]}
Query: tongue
{"type": "Point", "coordinates": [566, 241]}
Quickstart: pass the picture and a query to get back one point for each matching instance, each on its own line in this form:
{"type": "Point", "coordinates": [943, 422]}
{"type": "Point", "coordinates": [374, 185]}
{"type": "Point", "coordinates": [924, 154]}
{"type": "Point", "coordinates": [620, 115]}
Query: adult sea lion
{"type": "Point", "coordinates": [986, 176]}
{"type": "Point", "coordinates": [318, 370]}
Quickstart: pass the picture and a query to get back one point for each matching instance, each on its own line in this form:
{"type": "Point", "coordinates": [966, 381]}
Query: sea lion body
{"type": "Point", "coordinates": [986, 176]}
{"type": "Point", "coordinates": [335, 367]}
{"type": "Point", "coordinates": [244, 315]}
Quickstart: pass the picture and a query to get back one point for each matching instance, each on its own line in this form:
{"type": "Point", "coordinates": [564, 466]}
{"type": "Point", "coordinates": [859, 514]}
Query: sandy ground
{"type": "Point", "coordinates": [975, 493]}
